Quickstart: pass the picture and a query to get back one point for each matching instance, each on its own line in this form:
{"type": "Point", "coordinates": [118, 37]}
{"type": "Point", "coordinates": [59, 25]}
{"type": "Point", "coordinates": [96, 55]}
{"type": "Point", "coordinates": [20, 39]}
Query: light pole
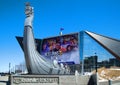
{"type": "Point", "coordinates": [97, 76]}
{"type": "Point", "coordinates": [96, 59]}
{"type": "Point", "coordinates": [9, 67]}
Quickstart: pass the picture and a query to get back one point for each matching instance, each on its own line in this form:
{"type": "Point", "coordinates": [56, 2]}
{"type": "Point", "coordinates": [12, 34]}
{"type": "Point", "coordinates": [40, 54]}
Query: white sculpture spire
{"type": "Point", "coordinates": [29, 15]}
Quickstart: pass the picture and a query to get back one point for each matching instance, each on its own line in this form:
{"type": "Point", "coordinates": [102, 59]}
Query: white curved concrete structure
{"type": "Point", "coordinates": [36, 64]}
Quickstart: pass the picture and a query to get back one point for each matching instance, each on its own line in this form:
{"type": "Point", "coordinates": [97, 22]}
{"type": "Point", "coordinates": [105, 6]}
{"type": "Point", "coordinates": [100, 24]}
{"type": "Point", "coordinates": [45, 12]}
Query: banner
{"type": "Point", "coordinates": [62, 48]}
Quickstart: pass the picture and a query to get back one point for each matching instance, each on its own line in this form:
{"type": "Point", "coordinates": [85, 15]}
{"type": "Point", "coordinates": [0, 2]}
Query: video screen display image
{"type": "Point", "coordinates": [63, 48]}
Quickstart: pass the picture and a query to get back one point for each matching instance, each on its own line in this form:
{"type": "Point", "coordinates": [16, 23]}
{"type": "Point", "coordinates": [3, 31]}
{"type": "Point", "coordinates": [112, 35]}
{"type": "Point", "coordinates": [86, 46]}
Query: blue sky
{"type": "Point", "coordinates": [99, 16]}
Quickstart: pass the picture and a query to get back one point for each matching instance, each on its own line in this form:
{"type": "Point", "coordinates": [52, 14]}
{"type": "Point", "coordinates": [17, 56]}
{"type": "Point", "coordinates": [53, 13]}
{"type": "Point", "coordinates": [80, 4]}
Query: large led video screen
{"type": "Point", "coordinates": [63, 48]}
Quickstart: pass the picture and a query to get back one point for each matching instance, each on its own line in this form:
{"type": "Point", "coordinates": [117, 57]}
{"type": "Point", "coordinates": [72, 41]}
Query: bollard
{"type": "Point", "coordinates": [109, 82]}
